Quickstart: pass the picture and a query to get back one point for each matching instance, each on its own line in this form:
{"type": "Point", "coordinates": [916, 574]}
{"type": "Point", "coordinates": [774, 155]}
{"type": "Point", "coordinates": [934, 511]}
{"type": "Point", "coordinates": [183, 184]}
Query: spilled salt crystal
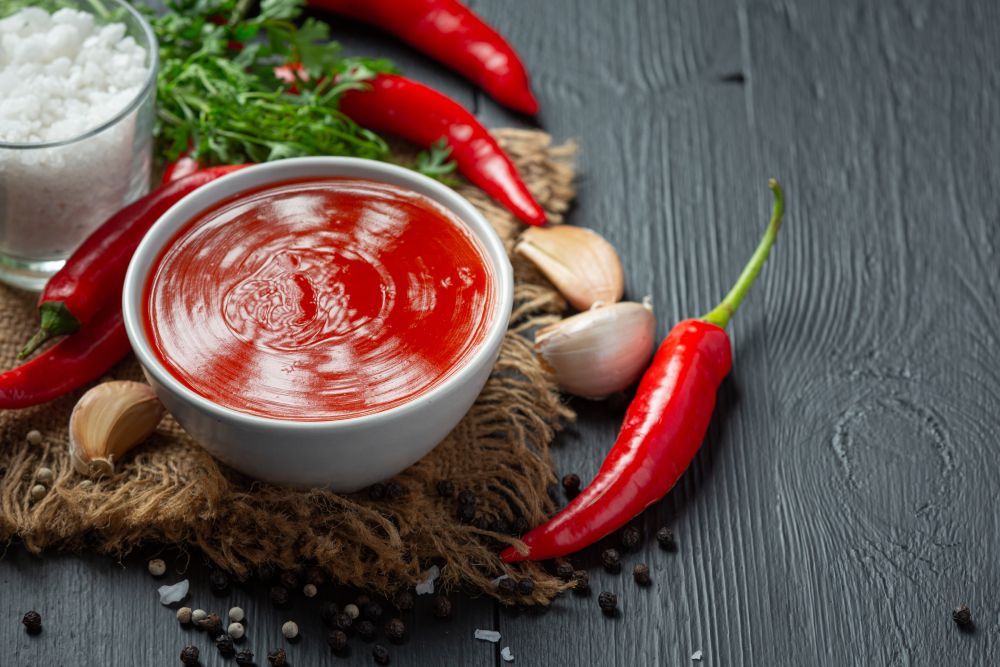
{"type": "Point", "coordinates": [488, 635]}
{"type": "Point", "coordinates": [506, 654]}
{"type": "Point", "coordinates": [173, 593]}
{"type": "Point", "coordinates": [697, 655]}
{"type": "Point", "coordinates": [426, 587]}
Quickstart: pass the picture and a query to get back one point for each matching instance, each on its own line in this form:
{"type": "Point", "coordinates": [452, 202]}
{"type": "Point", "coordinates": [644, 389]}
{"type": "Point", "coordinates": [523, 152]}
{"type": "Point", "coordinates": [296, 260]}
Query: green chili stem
{"type": "Point", "coordinates": [720, 314]}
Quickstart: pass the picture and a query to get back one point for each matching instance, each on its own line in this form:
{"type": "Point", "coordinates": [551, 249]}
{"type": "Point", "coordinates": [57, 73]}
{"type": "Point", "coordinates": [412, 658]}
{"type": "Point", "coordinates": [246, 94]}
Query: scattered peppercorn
{"type": "Point", "coordinates": [44, 475]}
{"type": "Point", "coordinates": [442, 607]}
{"type": "Point", "coordinates": [343, 621]}
{"type": "Point", "coordinates": [34, 437]}
{"type": "Point", "coordinates": [244, 657]}
{"type": "Point", "coordinates": [290, 580]}
{"type": "Point", "coordinates": [198, 615]}
{"type": "Point", "coordinates": [381, 654]}
{"type": "Point", "coordinates": [218, 582]}
{"type": "Point", "coordinates": [352, 610]}
{"type": "Point", "coordinates": [157, 567]}
{"type": "Point", "coordinates": [189, 655]}
{"type": "Point", "coordinates": [631, 538]}
{"type": "Point", "coordinates": [309, 590]}
{"type": "Point", "coordinates": [38, 492]}
{"type": "Point", "coordinates": [641, 574]}
{"type": "Point", "coordinates": [362, 601]}
{"type": "Point", "coordinates": [564, 569]}
{"type": "Point", "coordinates": [466, 497]}
{"type": "Point", "coordinates": [236, 630]}
{"type": "Point", "coordinates": [665, 537]}
{"type": "Point", "coordinates": [32, 622]}
{"type": "Point", "coordinates": [506, 586]}
{"type": "Point", "coordinates": [446, 488]}
{"type": "Point", "coordinates": [376, 491]}
{"type": "Point", "coordinates": [526, 587]}
{"type": "Point", "coordinates": [211, 624]}
{"type": "Point", "coordinates": [337, 640]}
{"type": "Point", "coordinates": [962, 616]}
{"type": "Point", "coordinates": [236, 615]}
{"type": "Point", "coordinates": [328, 613]}
{"type": "Point", "coordinates": [315, 576]}
{"type": "Point", "coordinates": [365, 630]}
{"type": "Point", "coordinates": [372, 611]}
{"type": "Point", "coordinates": [224, 643]}
{"type": "Point", "coordinates": [611, 560]}
{"type": "Point", "coordinates": [582, 582]}
{"type": "Point", "coordinates": [290, 630]}
{"type": "Point", "coordinates": [466, 513]}
{"type": "Point", "coordinates": [405, 601]}
{"type": "Point", "coordinates": [279, 596]}
{"type": "Point", "coordinates": [395, 630]}
{"type": "Point", "coordinates": [394, 491]}
{"type": "Point", "coordinates": [277, 657]}
{"type": "Point", "coordinates": [608, 602]}
{"type": "Point", "coordinates": [184, 615]}
{"type": "Point", "coordinates": [571, 485]}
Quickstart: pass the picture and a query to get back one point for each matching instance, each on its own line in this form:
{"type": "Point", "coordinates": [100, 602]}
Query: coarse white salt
{"type": "Point", "coordinates": [697, 655]}
{"type": "Point", "coordinates": [488, 635]}
{"type": "Point", "coordinates": [173, 593]}
{"type": "Point", "coordinates": [426, 587]}
{"type": "Point", "coordinates": [506, 654]}
{"type": "Point", "coordinates": [61, 76]}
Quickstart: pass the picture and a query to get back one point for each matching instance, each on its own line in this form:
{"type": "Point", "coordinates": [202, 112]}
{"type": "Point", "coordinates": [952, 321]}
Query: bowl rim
{"type": "Point", "coordinates": [164, 229]}
{"type": "Point", "coordinates": [148, 85]}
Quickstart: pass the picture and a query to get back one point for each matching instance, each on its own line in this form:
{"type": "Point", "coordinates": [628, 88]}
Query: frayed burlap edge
{"type": "Point", "coordinates": [170, 491]}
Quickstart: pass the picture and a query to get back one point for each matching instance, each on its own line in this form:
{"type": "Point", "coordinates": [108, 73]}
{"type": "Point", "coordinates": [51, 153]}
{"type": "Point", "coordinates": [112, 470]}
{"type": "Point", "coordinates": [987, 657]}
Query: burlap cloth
{"type": "Point", "coordinates": [170, 491]}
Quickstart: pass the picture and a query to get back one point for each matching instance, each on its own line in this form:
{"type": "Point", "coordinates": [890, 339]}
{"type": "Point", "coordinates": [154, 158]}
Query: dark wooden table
{"type": "Point", "coordinates": [845, 500]}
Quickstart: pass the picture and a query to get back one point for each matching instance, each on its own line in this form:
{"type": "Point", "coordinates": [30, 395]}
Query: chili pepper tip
{"type": "Point", "coordinates": [56, 320]}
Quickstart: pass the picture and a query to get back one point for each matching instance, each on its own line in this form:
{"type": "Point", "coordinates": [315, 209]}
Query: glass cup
{"type": "Point", "coordinates": [54, 194]}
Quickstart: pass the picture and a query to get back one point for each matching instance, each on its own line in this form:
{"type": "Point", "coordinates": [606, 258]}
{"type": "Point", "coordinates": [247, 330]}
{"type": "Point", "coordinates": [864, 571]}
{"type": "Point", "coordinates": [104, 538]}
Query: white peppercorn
{"type": "Point", "coordinates": [44, 476]}
{"type": "Point", "coordinates": [352, 611]}
{"type": "Point", "coordinates": [309, 590]}
{"type": "Point", "coordinates": [184, 615]}
{"type": "Point", "coordinates": [157, 567]}
{"type": "Point", "coordinates": [236, 630]}
{"type": "Point", "coordinates": [236, 615]}
{"type": "Point", "coordinates": [290, 630]}
{"type": "Point", "coordinates": [34, 437]}
{"type": "Point", "coordinates": [198, 615]}
{"type": "Point", "coordinates": [38, 492]}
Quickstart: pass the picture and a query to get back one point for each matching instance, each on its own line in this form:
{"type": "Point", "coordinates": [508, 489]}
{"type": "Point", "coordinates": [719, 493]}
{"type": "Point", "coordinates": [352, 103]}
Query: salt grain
{"type": "Point", "coordinates": [506, 654]}
{"type": "Point", "coordinates": [174, 593]}
{"type": "Point", "coordinates": [426, 587]}
{"type": "Point", "coordinates": [488, 635]}
{"type": "Point", "coordinates": [697, 655]}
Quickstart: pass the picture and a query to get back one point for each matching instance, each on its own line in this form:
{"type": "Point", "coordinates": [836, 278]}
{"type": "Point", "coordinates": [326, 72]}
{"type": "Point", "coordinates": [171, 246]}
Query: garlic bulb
{"type": "Point", "coordinates": [108, 421]}
{"type": "Point", "coordinates": [582, 265]}
{"type": "Point", "coordinates": [600, 351]}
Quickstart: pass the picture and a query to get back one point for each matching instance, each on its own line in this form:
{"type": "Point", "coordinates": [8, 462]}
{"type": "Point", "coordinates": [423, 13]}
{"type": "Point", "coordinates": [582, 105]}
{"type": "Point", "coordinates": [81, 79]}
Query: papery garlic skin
{"type": "Point", "coordinates": [108, 421]}
{"type": "Point", "coordinates": [600, 351]}
{"type": "Point", "coordinates": [582, 265]}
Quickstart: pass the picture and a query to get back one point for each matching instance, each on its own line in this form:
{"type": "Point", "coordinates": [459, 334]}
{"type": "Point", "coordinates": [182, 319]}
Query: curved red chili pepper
{"type": "Point", "coordinates": [452, 34]}
{"type": "Point", "coordinates": [663, 427]}
{"type": "Point", "coordinates": [181, 167]}
{"type": "Point", "coordinates": [69, 364]}
{"type": "Point", "coordinates": [94, 274]}
{"type": "Point", "coordinates": [397, 105]}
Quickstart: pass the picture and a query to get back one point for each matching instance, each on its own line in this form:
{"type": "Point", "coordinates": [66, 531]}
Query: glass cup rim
{"type": "Point", "coordinates": [154, 66]}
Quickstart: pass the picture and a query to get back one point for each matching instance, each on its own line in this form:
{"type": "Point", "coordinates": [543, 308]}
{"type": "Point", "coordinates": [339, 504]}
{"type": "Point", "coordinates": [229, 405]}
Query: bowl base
{"type": "Point", "coordinates": [28, 275]}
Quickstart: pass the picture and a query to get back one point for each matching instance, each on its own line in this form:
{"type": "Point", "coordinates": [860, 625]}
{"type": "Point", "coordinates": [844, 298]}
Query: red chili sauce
{"type": "Point", "coordinates": [319, 299]}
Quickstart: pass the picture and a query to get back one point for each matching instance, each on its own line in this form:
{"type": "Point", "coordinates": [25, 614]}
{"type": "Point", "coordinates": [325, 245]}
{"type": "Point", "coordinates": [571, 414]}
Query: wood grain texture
{"type": "Point", "coordinates": [844, 500]}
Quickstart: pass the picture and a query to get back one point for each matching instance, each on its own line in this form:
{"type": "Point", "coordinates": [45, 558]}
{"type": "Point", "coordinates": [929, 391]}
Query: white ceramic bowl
{"type": "Point", "coordinates": [347, 454]}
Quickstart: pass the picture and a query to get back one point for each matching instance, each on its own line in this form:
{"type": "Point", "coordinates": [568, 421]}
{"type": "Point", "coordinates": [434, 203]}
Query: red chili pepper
{"type": "Point", "coordinates": [452, 34]}
{"type": "Point", "coordinates": [183, 166]}
{"type": "Point", "coordinates": [69, 364]}
{"type": "Point", "coordinates": [94, 274]}
{"type": "Point", "coordinates": [411, 110]}
{"type": "Point", "coordinates": [663, 427]}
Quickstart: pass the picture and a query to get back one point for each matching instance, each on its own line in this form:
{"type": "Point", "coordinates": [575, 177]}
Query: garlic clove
{"type": "Point", "coordinates": [108, 421]}
{"type": "Point", "coordinates": [582, 265]}
{"type": "Point", "coordinates": [600, 351]}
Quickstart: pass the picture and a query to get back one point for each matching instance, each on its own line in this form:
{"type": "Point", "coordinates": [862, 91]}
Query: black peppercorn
{"type": "Point", "coordinates": [343, 621]}
{"type": "Point", "coordinates": [32, 622]}
{"type": "Point", "coordinates": [290, 580]}
{"type": "Point", "coordinates": [581, 580]}
{"type": "Point", "coordinates": [641, 574]}
{"type": "Point", "coordinates": [665, 537]}
{"type": "Point", "coordinates": [962, 616]}
{"type": "Point", "coordinates": [571, 485]}
{"type": "Point", "coordinates": [372, 611]}
{"type": "Point", "coordinates": [376, 491]}
{"type": "Point", "coordinates": [506, 586]}
{"type": "Point", "coordinates": [631, 538]}
{"type": "Point", "coordinates": [278, 658]}
{"type": "Point", "coordinates": [315, 576]}
{"type": "Point", "coordinates": [526, 587]}
{"type": "Point", "coordinates": [225, 645]}
{"type": "Point", "coordinates": [395, 630]}
{"type": "Point", "coordinates": [362, 601]}
{"type": "Point", "coordinates": [279, 596]}
{"type": "Point", "coordinates": [404, 600]}
{"type": "Point", "coordinates": [365, 630]}
{"type": "Point", "coordinates": [337, 640]}
{"type": "Point", "coordinates": [446, 488]}
{"type": "Point", "coordinates": [564, 569]}
{"type": "Point", "coordinates": [328, 613]}
{"type": "Point", "coordinates": [466, 497]}
{"type": "Point", "coordinates": [499, 526]}
{"type": "Point", "coordinates": [244, 657]}
{"type": "Point", "coordinates": [381, 654]}
{"type": "Point", "coordinates": [219, 583]}
{"type": "Point", "coordinates": [442, 607]}
{"type": "Point", "coordinates": [189, 655]}
{"type": "Point", "coordinates": [466, 513]}
{"type": "Point", "coordinates": [608, 602]}
{"type": "Point", "coordinates": [211, 624]}
{"type": "Point", "coordinates": [394, 491]}
{"type": "Point", "coordinates": [611, 561]}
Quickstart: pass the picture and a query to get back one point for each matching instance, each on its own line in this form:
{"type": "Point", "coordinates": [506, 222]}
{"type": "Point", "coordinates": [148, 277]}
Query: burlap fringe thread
{"type": "Point", "coordinates": [172, 492]}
